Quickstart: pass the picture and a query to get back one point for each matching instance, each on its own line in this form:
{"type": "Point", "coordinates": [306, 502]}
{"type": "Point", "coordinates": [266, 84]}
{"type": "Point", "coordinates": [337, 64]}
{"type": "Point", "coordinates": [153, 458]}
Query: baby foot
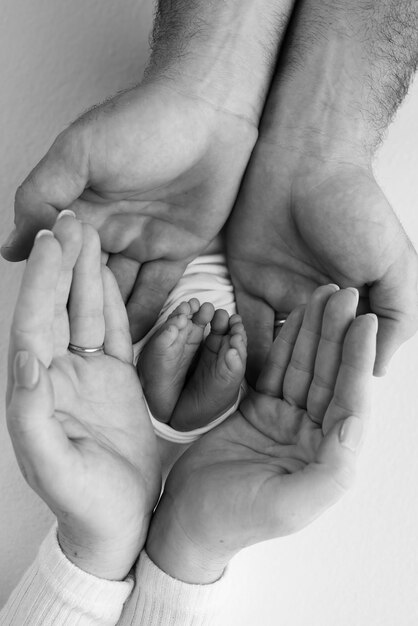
{"type": "Point", "coordinates": [166, 359]}
{"type": "Point", "coordinates": [213, 385]}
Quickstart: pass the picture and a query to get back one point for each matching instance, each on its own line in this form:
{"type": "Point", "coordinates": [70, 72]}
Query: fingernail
{"type": "Point", "coordinates": [374, 318]}
{"type": "Point", "coordinates": [355, 292]}
{"type": "Point", "coordinates": [44, 233]}
{"type": "Point", "coordinates": [26, 370]}
{"type": "Point", "coordinates": [66, 212]}
{"type": "Point", "coordinates": [351, 433]}
{"type": "Point", "coordinates": [10, 239]}
{"type": "Point", "coordinates": [335, 286]}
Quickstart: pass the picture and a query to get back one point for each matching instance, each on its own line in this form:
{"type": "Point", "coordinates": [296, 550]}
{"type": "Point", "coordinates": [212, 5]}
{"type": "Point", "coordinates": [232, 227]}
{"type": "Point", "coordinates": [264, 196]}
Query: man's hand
{"type": "Point", "coordinates": [157, 169]}
{"type": "Point", "coordinates": [285, 456]}
{"type": "Point", "coordinates": [78, 422]}
{"type": "Point", "coordinates": [290, 233]}
{"type": "Point", "coordinates": [309, 210]}
{"type": "Point", "coordinates": [156, 172]}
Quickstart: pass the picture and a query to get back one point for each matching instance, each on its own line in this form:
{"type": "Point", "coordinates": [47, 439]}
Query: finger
{"type": "Point", "coordinates": [68, 232]}
{"type": "Point", "coordinates": [270, 381]}
{"type": "Point", "coordinates": [153, 284]}
{"type": "Point", "coordinates": [117, 341]}
{"type": "Point", "coordinates": [299, 374]}
{"type": "Point", "coordinates": [340, 311]}
{"type": "Point", "coordinates": [87, 326]}
{"type": "Point", "coordinates": [258, 319]}
{"type": "Point", "coordinates": [352, 387]}
{"type": "Point", "coordinates": [38, 439]}
{"type": "Point", "coordinates": [32, 326]}
{"type": "Point", "coordinates": [392, 334]}
{"type": "Point", "coordinates": [57, 180]}
{"type": "Point", "coordinates": [125, 271]}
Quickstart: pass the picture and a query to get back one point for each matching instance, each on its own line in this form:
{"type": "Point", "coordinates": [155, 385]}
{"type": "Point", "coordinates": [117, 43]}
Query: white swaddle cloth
{"type": "Point", "coordinates": [207, 279]}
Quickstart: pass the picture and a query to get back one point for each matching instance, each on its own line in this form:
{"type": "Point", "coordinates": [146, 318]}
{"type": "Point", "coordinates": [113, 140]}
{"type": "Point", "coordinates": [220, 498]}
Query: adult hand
{"type": "Point", "coordinates": [294, 229]}
{"type": "Point", "coordinates": [285, 456]}
{"type": "Point", "coordinates": [310, 210]}
{"type": "Point", "coordinates": [155, 171]}
{"type": "Point", "coordinates": [78, 422]}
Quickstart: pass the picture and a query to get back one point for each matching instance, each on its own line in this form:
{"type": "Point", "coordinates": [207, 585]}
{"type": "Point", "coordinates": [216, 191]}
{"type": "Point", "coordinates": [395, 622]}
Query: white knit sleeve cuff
{"type": "Point", "coordinates": [165, 601]}
{"type": "Point", "coordinates": [55, 591]}
{"type": "Point", "coordinates": [94, 595]}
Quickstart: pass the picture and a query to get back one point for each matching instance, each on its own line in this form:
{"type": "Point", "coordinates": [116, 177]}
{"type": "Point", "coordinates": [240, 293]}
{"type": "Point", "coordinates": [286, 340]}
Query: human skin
{"type": "Point", "coordinates": [157, 169]}
{"type": "Point", "coordinates": [79, 424]}
{"type": "Point", "coordinates": [285, 456]}
{"type": "Point", "coordinates": [310, 210]}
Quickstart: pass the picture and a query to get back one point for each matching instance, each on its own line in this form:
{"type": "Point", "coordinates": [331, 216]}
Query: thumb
{"type": "Point", "coordinates": [389, 338]}
{"type": "Point", "coordinates": [58, 179]}
{"type": "Point", "coordinates": [394, 299]}
{"type": "Point", "coordinates": [391, 335]}
{"type": "Point", "coordinates": [38, 439]}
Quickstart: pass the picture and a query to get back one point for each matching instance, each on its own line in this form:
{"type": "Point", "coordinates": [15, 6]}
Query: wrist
{"type": "Point", "coordinates": [175, 553]}
{"type": "Point", "coordinates": [222, 53]}
{"type": "Point", "coordinates": [309, 123]}
{"type": "Point", "coordinates": [317, 142]}
{"type": "Point", "coordinates": [212, 124]}
{"type": "Point", "coordinates": [110, 559]}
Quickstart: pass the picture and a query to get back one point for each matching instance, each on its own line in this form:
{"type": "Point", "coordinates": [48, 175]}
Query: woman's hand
{"type": "Point", "coordinates": [78, 422]}
{"type": "Point", "coordinates": [285, 456]}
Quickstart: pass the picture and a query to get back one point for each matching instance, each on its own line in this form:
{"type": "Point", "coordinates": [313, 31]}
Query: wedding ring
{"type": "Point", "coordinates": [80, 350]}
{"type": "Point", "coordinates": [278, 323]}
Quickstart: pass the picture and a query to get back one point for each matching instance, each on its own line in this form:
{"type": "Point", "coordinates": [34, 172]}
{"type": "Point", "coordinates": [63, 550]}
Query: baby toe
{"type": "Point", "coordinates": [204, 315]}
{"type": "Point", "coordinates": [234, 365]}
{"type": "Point", "coordinates": [220, 322]}
{"type": "Point", "coordinates": [237, 329]}
{"type": "Point", "coordinates": [180, 321]}
{"type": "Point", "coordinates": [238, 342]}
{"type": "Point", "coordinates": [182, 309]}
{"type": "Point", "coordinates": [235, 319]}
{"type": "Point", "coordinates": [194, 305]}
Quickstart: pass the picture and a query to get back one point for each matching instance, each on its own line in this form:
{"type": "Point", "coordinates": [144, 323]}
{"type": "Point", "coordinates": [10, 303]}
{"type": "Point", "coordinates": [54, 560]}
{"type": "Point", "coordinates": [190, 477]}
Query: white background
{"type": "Point", "coordinates": [356, 566]}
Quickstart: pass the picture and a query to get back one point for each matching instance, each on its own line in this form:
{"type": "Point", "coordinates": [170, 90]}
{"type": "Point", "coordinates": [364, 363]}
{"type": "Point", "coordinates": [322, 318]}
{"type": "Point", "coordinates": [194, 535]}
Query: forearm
{"type": "Point", "coordinates": [221, 51]}
{"type": "Point", "coordinates": [346, 69]}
